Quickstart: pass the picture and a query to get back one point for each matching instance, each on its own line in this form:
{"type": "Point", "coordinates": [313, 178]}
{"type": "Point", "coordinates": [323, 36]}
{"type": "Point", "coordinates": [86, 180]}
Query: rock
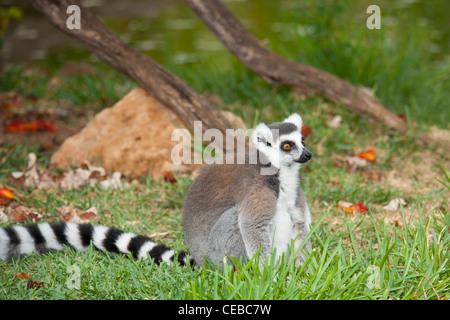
{"type": "Point", "coordinates": [132, 137]}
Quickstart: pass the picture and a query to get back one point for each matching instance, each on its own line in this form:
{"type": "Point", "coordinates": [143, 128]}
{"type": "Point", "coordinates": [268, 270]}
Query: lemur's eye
{"type": "Point", "coordinates": [286, 146]}
{"type": "Point", "coordinates": [303, 141]}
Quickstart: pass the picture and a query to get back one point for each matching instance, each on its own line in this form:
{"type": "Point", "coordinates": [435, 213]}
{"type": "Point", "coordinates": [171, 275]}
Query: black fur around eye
{"type": "Point", "coordinates": [287, 145]}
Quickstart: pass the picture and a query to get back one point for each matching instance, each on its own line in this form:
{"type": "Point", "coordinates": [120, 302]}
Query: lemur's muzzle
{"type": "Point", "coordinates": [305, 157]}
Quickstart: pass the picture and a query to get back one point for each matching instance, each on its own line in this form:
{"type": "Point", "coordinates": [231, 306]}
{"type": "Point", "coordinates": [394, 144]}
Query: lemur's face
{"type": "Point", "coordinates": [282, 142]}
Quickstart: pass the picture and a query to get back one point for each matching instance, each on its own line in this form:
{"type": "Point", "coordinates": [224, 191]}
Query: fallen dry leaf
{"type": "Point", "coordinates": [31, 284]}
{"type": "Point", "coordinates": [34, 284]}
{"type": "Point", "coordinates": [335, 122]}
{"type": "Point", "coordinates": [22, 275]}
{"type": "Point", "coordinates": [30, 174]}
{"type": "Point", "coordinates": [70, 214]}
{"type": "Point", "coordinates": [22, 213]}
{"type": "Point", "coordinates": [91, 175]}
{"type": "Point", "coordinates": [397, 223]}
{"type": "Point", "coordinates": [100, 170]}
{"type": "Point", "coordinates": [75, 179]}
{"type": "Point", "coordinates": [394, 204]}
{"type": "Point", "coordinates": [357, 162]}
{"type": "Point", "coordinates": [45, 181]}
{"type": "Point", "coordinates": [9, 100]}
{"type": "Point", "coordinates": [87, 174]}
{"type": "Point", "coordinates": [369, 155]}
{"type": "Point", "coordinates": [363, 159]}
{"type": "Point", "coordinates": [352, 208]}
{"type": "Point", "coordinates": [443, 209]}
{"type": "Point", "coordinates": [90, 216]}
{"type": "Point", "coordinates": [168, 177]}
{"type": "Point", "coordinates": [344, 204]}
{"type": "Point", "coordinates": [6, 193]}
{"type": "Point", "coordinates": [31, 177]}
{"type": "Point", "coordinates": [306, 130]}
{"type": "Point", "coordinates": [32, 126]}
{"type": "Point", "coordinates": [114, 182]}
{"type": "Point", "coordinates": [3, 216]}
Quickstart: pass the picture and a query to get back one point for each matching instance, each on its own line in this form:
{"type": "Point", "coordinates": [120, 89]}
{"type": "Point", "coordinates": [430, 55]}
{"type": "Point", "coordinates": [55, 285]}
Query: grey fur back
{"type": "Point", "coordinates": [214, 208]}
{"type": "Point", "coordinates": [237, 210]}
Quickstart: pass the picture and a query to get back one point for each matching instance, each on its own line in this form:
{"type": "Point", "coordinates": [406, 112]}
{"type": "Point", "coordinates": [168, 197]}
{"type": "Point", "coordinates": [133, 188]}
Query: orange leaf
{"type": "Point", "coordinates": [30, 283]}
{"type": "Point", "coordinates": [357, 207]}
{"type": "Point", "coordinates": [361, 207]}
{"type": "Point", "coordinates": [6, 193]}
{"type": "Point", "coordinates": [19, 126]}
{"type": "Point", "coordinates": [306, 130]}
{"type": "Point", "coordinates": [168, 177]}
{"type": "Point", "coordinates": [50, 126]}
{"type": "Point", "coordinates": [369, 155]}
{"type": "Point", "coordinates": [22, 275]}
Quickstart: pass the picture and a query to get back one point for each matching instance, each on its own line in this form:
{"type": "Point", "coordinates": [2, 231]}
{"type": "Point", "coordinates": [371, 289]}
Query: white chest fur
{"type": "Point", "coordinates": [281, 225]}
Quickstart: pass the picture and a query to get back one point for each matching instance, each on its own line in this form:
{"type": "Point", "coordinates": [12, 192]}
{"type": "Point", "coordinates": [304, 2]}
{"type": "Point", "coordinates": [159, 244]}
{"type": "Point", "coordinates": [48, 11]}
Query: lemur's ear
{"type": "Point", "coordinates": [295, 119]}
{"type": "Point", "coordinates": [262, 134]}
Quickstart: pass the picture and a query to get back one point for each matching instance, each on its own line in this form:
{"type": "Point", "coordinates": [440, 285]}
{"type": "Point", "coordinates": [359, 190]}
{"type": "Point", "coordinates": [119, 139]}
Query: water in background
{"type": "Point", "coordinates": [170, 33]}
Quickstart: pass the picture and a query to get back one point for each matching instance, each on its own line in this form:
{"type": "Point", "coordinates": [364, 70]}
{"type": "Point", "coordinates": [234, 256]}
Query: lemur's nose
{"type": "Point", "coordinates": [305, 157]}
{"type": "Point", "coordinates": [307, 154]}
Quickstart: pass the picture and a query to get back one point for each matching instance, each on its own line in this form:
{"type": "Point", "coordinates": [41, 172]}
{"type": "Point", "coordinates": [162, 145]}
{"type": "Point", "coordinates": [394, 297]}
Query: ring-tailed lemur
{"type": "Point", "coordinates": [229, 210]}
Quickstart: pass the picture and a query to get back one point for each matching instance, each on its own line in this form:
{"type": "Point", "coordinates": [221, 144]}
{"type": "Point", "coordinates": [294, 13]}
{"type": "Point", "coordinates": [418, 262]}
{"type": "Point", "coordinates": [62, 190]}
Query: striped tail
{"type": "Point", "coordinates": [21, 240]}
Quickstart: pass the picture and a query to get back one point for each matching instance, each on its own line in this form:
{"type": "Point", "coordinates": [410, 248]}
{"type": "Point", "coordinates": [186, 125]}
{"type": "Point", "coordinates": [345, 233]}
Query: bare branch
{"type": "Point", "coordinates": [188, 104]}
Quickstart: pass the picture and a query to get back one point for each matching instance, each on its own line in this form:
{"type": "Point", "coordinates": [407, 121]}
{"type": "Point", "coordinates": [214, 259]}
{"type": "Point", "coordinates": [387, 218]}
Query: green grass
{"type": "Point", "coordinates": [349, 257]}
{"type": "Point", "coordinates": [362, 257]}
{"type": "Point", "coordinates": [367, 259]}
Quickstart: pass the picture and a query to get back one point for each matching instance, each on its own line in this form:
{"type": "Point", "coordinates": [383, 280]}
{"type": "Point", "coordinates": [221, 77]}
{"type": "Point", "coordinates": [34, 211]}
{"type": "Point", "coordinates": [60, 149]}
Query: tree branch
{"type": "Point", "coordinates": [188, 104]}
{"type": "Point", "coordinates": [276, 69]}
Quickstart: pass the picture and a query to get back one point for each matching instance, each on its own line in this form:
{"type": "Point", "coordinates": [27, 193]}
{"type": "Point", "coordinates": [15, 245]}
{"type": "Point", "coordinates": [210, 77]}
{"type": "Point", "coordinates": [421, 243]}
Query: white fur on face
{"type": "Point", "coordinates": [263, 139]}
{"type": "Point", "coordinates": [264, 135]}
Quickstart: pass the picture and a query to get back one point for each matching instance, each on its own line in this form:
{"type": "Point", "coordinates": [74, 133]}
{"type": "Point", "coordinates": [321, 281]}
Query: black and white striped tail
{"type": "Point", "coordinates": [21, 240]}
